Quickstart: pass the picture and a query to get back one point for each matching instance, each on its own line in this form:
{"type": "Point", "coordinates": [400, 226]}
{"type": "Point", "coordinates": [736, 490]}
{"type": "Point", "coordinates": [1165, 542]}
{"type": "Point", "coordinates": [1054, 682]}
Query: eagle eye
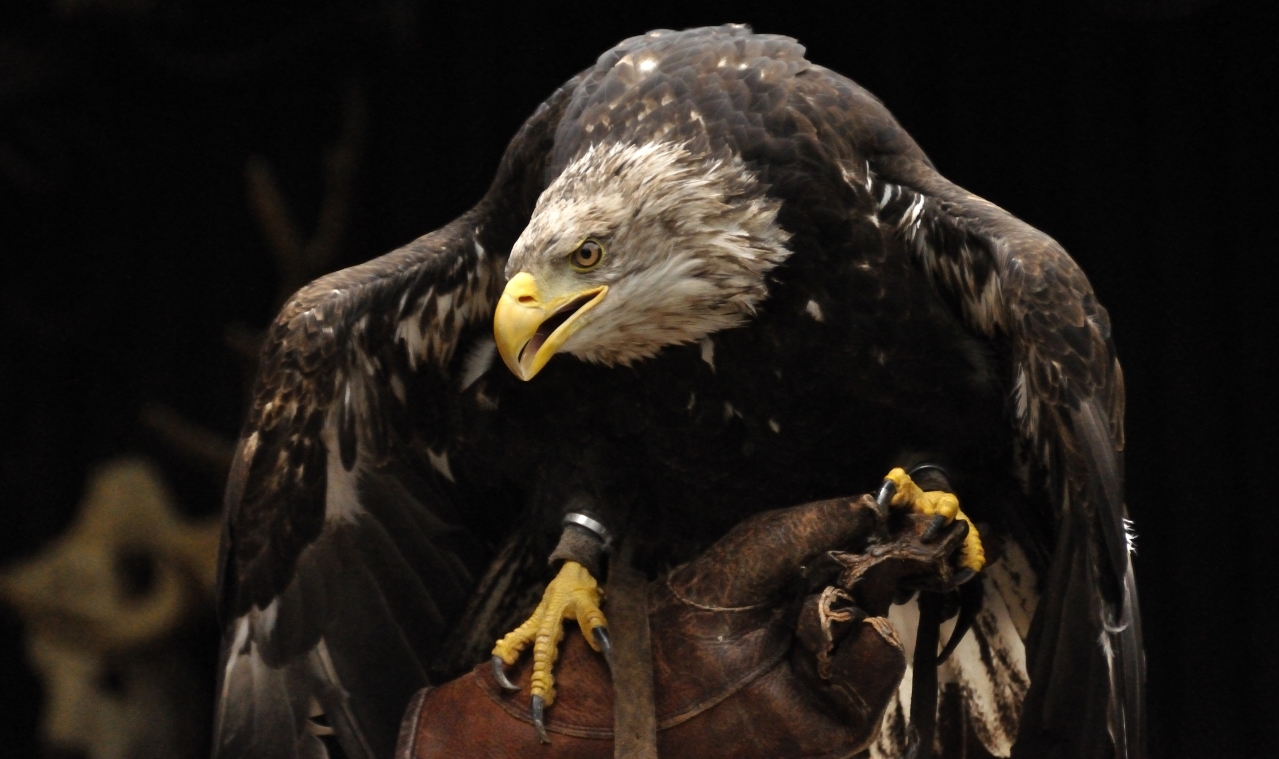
{"type": "Point", "coordinates": [587, 256]}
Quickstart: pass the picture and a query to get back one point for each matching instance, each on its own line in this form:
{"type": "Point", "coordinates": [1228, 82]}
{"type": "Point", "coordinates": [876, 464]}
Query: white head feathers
{"type": "Point", "coordinates": [688, 240]}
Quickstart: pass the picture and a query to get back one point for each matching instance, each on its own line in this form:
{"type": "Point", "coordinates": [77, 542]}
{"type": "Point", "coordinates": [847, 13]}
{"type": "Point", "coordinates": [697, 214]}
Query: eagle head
{"type": "Point", "coordinates": [633, 248]}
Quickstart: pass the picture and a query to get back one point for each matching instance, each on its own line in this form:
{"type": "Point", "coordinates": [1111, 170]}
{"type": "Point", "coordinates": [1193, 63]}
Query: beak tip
{"type": "Point", "coordinates": [521, 373]}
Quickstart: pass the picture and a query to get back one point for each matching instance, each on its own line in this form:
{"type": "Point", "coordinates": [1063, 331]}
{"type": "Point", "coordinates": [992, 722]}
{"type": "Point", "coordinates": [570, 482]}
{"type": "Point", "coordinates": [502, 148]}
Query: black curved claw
{"type": "Point", "coordinates": [934, 527]}
{"type": "Point", "coordinates": [970, 597]}
{"type": "Point", "coordinates": [539, 719]}
{"type": "Point", "coordinates": [600, 634]}
{"type": "Point", "coordinates": [885, 497]}
{"type": "Point", "coordinates": [499, 674]}
{"type": "Point", "coordinates": [963, 576]}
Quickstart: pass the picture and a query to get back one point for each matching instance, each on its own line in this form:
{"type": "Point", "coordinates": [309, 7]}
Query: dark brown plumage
{"type": "Point", "coordinates": [387, 459]}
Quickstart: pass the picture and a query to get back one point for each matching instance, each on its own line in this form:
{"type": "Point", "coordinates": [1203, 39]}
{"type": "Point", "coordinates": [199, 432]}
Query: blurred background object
{"type": "Point", "coordinates": [171, 169]}
{"type": "Point", "coordinates": [117, 611]}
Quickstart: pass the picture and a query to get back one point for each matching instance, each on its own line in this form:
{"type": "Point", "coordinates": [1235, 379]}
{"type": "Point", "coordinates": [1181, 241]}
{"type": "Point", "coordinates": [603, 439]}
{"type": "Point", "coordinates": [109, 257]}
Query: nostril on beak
{"type": "Point", "coordinates": [526, 299]}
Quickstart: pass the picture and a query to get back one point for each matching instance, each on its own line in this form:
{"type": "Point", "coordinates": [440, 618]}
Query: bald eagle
{"type": "Point", "coordinates": [757, 291]}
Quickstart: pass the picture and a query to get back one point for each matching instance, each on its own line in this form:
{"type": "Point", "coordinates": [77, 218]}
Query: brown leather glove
{"type": "Point", "coordinates": [746, 662]}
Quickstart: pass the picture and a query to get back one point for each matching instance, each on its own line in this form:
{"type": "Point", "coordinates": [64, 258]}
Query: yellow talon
{"type": "Point", "coordinates": [573, 594]}
{"type": "Point", "coordinates": [974, 555]}
{"type": "Point", "coordinates": [907, 490]}
{"type": "Point", "coordinates": [939, 502]}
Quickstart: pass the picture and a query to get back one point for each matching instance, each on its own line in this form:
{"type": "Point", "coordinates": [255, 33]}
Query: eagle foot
{"type": "Point", "coordinates": [901, 491]}
{"type": "Point", "coordinates": [573, 594]}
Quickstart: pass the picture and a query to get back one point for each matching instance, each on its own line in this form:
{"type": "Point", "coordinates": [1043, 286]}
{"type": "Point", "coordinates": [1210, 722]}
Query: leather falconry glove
{"type": "Point", "coordinates": [772, 643]}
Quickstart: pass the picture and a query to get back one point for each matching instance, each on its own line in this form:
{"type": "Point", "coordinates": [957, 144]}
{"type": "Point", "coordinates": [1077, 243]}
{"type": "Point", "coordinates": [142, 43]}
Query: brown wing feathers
{"type": "Point", "coordinates": [1015, 285]}
{"type": "Point", "coordinates": [340, 568]}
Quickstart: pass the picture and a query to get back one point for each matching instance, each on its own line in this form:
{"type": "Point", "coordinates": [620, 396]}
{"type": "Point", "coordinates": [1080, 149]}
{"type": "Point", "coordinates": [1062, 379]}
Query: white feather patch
{"type": "Point", "coordinates": [268, 617]}
{"type": "Point", "coordinates": [247, 681]}
{"type": "Point", "coordinates": [440, 463]}
{"type": "Point", "coordinates": [988, 665]}
{"type": "Point", "coordinates": [814, 310]}
{"type": "Point", "coordinates": [341, 498]}
{"type": "Point", "coordinates": [397, 388]}
{"type": "Point", "coordinates": [890, 743]}
{"type": "Point", "coordinates": [425, 329]}
{"type": "Point", "coordinates": [409, 331]}
{"type": "Point", "coordinates": [1015, 583]}
{"type": "Point", "coordinates": [478, 361]}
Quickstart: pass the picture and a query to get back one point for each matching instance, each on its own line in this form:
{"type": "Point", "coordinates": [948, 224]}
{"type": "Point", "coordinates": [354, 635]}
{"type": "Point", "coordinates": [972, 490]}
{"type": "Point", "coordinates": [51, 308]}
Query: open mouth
{"type": "Point", "coordinates": [548, 328]}
{"type": "Point", "coordinates": [530, 329]}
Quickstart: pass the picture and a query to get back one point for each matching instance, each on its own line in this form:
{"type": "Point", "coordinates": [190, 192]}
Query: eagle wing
{"type": "Point", "coordinates": [1017, 289]}
{"type": "Point", "coordinates": [1016, 286]}
{"type": "Point", "coordinates": [342, 564]}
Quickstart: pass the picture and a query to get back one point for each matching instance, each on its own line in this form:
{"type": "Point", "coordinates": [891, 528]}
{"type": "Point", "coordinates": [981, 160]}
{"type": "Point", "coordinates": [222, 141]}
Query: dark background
{"type": "Point", "coordinates": [1139, 134]}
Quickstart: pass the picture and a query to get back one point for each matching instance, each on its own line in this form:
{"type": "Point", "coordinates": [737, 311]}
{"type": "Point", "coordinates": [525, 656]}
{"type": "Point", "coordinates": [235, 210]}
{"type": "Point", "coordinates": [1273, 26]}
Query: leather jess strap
{"type": "Point", "coordinates": [635, 710]}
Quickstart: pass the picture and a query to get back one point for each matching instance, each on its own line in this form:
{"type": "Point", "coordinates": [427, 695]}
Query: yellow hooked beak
{"type": "Point", "coordinates": [529, 328]}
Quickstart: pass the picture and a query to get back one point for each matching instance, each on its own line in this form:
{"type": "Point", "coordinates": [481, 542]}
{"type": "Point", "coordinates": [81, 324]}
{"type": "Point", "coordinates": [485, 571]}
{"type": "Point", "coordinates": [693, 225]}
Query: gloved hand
{"type": "Point", "coordinates": [772, 643]}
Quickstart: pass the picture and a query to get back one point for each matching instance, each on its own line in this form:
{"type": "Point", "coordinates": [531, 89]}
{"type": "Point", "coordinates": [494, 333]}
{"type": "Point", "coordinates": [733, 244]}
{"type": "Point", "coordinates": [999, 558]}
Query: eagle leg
{"type": "Point", "coordinates": [573, 594]}
{"type": "Point", "coordinates": [943, 506]}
